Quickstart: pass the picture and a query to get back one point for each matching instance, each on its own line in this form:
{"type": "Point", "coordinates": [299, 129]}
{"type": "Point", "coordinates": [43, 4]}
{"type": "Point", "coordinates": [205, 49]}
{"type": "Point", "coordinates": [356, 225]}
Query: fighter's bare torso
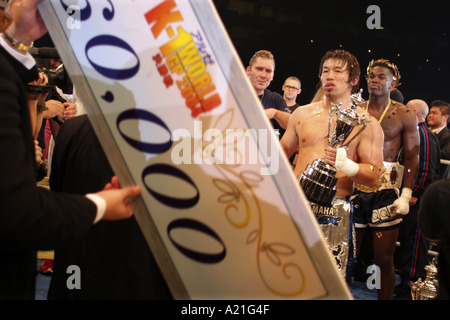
{"type": "Point", "coordinates": [311, 122]}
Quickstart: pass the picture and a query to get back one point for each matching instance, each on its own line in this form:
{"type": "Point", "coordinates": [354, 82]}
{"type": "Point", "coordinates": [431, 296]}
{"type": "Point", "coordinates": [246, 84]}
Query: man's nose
{"type": "Point", "coordinates": [330, 75]}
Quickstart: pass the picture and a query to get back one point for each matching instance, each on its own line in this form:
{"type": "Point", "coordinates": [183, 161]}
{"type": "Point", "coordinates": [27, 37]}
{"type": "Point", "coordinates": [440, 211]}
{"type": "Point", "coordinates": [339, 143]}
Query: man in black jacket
{"type": "Point", "coordinates": [412, 255]}
{"type": "Point", "coordinates": [114, 258]}
{"type": "Point", "coordinates": [32, 218]}
{"type": "Point", "coordinates": [437, 119]}
{"type": "Point", "coordinates": [434, 222]}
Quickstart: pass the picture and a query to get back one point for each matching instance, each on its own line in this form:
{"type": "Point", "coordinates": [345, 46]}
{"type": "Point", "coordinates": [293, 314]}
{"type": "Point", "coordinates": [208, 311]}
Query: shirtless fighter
{"type": "Point", "coordinates": [360, 162]}
{"type": "Point", "coordinates": [383, 206]}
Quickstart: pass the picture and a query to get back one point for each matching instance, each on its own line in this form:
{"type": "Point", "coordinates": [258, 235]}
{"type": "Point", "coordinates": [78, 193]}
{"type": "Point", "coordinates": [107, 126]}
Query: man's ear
{"type": "Point", "coordinates": [354, 82]}
{"type": "Point", "coordinates": [247, 70]}
{"type": "Point", "coordinates": [393, 84]}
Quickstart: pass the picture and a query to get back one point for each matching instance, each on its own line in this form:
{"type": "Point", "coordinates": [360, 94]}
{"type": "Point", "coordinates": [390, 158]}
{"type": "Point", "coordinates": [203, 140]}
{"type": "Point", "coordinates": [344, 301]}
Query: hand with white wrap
{"type": "Point", "coordinates": [338, 158]}
{"type": "Point", "coordinates": [401, 205]}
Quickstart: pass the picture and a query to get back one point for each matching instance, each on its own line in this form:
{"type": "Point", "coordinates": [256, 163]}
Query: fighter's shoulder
{"type": "Point", "coordinates": [403, 110]}
{"type": "Point", "coordinates": [307, 107]}
{"type": "Point", "coordinates": [398, 105]}
{"type": "Point", "coordinates": [302, 112]}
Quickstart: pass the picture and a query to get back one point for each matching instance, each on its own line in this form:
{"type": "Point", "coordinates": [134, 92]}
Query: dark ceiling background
{"type": "Point", "coordinates": [414, 36]}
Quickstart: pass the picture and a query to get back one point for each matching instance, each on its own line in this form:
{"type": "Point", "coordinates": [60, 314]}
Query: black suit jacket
{"type": "Point", "coordinates": [434, 223]}
{"type": "Point", "coordinates": [444, 142]}
{"type": "Point", "coordinates": [31, 217]}
{"type": "Point", "coordinates": [429, 160]}
{"type": "Point", "coordinates": [114, 258]}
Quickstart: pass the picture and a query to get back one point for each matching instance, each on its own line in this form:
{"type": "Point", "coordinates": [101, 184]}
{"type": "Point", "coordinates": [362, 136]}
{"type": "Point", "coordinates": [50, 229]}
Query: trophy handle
{"type": "Point", "coordinates": [333, 109]}
{"type": "Point", "coordinates": [364, 125]}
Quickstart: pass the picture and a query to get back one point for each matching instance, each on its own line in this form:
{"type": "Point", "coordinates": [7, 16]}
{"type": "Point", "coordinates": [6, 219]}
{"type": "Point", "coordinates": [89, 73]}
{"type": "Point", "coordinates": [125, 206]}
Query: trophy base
{"type": "Point", "coordinates": [318, 182]}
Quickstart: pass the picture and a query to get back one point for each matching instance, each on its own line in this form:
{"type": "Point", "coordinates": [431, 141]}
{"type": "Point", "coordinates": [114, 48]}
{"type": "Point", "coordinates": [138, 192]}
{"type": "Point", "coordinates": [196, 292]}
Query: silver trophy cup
{"type": "Point", "coordinates": [318, 181]}
{"type": "Point", "coordinates": [428, 289]}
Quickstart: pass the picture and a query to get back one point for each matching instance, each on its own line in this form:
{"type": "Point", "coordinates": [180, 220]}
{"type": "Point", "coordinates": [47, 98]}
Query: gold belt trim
{"type": "Point", "coordinates": [391, 177]}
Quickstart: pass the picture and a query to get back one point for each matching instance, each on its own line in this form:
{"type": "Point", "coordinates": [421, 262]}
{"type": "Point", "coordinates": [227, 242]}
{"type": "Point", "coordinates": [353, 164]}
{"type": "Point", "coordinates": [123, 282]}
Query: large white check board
{"type": "Point", "coordinates": [165, 91]}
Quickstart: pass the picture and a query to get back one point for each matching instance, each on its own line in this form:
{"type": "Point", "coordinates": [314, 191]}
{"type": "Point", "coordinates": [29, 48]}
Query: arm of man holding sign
{"type": "Point", "coordinates": [46, 214]}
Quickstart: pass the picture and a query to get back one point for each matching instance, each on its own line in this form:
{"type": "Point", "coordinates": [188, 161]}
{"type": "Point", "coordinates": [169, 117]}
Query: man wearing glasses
{"type": "Point", "coordinates": [291, 88]}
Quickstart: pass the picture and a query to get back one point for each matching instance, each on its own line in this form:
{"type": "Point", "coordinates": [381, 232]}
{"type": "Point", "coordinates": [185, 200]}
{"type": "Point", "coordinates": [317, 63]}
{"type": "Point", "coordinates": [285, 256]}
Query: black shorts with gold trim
{"type": "Point", "coordinates": [373, 209]}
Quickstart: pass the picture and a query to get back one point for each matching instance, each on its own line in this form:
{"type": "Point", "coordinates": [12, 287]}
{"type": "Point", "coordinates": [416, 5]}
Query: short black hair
{"type": "Point", "coordinates": [348, 58]}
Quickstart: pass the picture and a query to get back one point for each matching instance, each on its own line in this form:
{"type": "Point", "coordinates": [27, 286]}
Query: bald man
{"type": "Point", "coordinates": [412, 255]}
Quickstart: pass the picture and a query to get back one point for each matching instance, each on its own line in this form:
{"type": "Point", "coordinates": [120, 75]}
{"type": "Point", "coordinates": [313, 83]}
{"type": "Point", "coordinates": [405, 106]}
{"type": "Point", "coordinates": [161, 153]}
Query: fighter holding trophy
{"type": "Point", "coordinates": [356, 158]}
